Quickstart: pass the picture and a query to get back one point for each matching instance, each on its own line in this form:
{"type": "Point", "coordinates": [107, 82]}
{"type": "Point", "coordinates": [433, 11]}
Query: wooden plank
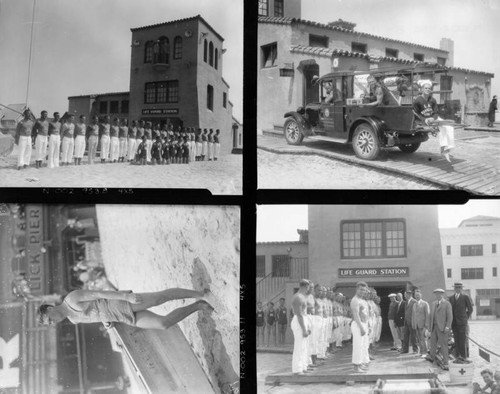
{"type": "Point", "coordinates": [165, 360]}
{"type": "Point", "coordinates": [486, 182]}
{"type": "Point", "coordinates": [361, 377]}
{"type": "Point", "coordinates": [492, 188]}
{"type": "Point", "coordinates": [465, 172]}
{"type": "Point", "coordinates": [476, 178]}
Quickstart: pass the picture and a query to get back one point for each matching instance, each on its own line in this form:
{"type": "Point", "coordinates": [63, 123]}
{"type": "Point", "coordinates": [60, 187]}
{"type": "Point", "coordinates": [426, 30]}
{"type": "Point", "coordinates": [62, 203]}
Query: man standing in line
{"type": "Point", "coordinates": [271, 323]}
{"type": "Point", "coordinates": [149, 141]}
{"type": "Point", "coordinates": [122, 140]}
{"type": "Point", "coordinates": [54, 141]}
{"type": "Point", "coordinates": [359, 327]}
{"type": "Point", "coordinates": [115, 142]}
{"type": "Point", "coordinates": [400, 319]}
{"type": "Point", "coordinates": [104, 130]}
{"type": "Point", "coordinates": [339, 319]}
{"type": "Point", "coordinates": [80, 131]}
{"type": "Point", "coordinates": [260, 323]}
{"type": "Point", "coordinates": [317, 324]}
{"type": "Point", "coordinates": [41, 130]}
{"type": "Point", "coordinates": [391, 316]}
{"type": "Point", "coordinates": [299, 328]}
{"type": "Point", "coordinates": [93, 138]}
{"type": "Point", "coordinates": [132, 132]}
{"type": "Point", "coordinates": [462, 310]}
{"type": "Point", "coordinates": [440, 319]}
{"type": "Point", "coordinates": [420, 321]}
{"type": "Point", "coordinates": [282, 322]}
{"type": "Point", "coordinates": [138, 137]}
{"type": "Point", "coordinates": [68, 141]}
{"type": "Point", "coordinates": [23, 140]}
{"type": "Point", "coordinates": [408, 331]}
{"type": "Point", "coordinates": [310, 324]}
{"type": "Point", "coordinates": [216, 144]}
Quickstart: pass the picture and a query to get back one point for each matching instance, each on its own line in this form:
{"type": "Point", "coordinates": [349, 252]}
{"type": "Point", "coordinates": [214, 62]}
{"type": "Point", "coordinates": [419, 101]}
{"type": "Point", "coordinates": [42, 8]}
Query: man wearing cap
{"type": "Point", "coordinates": [440, 319]}
{"type": "Point", "coordinates": [359, 327]}
{"type": "Point", "coordinates": [23, 140]}
{"type": "Point", "coordinates": [491, 111]}
{"type": "Point", "coordinates": [462, 310]}
{"type": "Point", "coordinates": [420, 320]}
{"type": "Point", "coordinates": [391, 316]}
{"type": "Point", "coordinates": [299, 328]}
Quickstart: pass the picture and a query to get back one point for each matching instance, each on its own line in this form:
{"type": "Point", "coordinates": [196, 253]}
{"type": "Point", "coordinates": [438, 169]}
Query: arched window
{"type": "Point", "coordinates": [148, 52]}
{"type": "Point", "coordinates": [178, 47]}
{"type": "Point", "coordinates": [216, 60]}
{"type": "Point", "coordinates": [163, 50]}
{"type": "Point", "coordinates": [205, 51]}
{"type": "Point", "coordinates": [211, 54]}
{"type": "Point", "coordinates": [210, 97]}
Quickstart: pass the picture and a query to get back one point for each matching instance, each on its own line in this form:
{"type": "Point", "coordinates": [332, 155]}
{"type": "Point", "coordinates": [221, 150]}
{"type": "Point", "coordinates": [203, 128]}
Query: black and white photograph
{"type": "Point", "coordinates": [384, 94]}
{"type": "Point", "coordinates": [378, 298]}
{"type": "Point", "coordinates": [122, 93]}
{"type": "Point", "coordinates": [119, 299]}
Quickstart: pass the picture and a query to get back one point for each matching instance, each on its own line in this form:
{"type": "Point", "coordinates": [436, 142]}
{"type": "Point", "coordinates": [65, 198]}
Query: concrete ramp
{"type": "Point", "coordinates": [163, 360]}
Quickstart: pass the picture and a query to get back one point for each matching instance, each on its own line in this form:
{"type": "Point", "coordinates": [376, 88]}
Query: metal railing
{"type": "Point", "coordinates": [272, 285]}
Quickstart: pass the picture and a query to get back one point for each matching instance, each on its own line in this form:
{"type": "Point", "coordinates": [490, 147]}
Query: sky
{"type": "Point", "coordinates": [473, 25]}
{"type": "Point", "coordinates": [83, 46]}
{"type": "Point", "coordinates": [280, 222]}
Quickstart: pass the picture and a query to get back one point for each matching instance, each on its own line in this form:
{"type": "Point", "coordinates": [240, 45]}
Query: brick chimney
{"type": "Point", "coordinates": [447, 44]}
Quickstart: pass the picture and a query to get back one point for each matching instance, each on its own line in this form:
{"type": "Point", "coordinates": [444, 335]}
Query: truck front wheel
{"type": "Point", "coordinates": [365, 142]}
{"type": "Point", "coordinates": [293, 132]}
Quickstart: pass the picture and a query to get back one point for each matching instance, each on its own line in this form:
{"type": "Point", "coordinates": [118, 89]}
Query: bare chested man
{"type": "Point", "coordinates": [359, 327]}
{"type": "Point", "coordinates": [317, 324]}
{"type": "Point", "coordinates": [300, 329]}
{"type": "Point", "coordinates": [310, 321]}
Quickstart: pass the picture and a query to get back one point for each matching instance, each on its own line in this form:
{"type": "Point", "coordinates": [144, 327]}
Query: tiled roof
{"type": "Point", "coordinates": [290, 21]}
{"type": "Point", "coordinates": [328, 52]}
{"type": "Point", "coordinates": [179, 21]}
{"type": "Point", "coordinates": [99, 94]}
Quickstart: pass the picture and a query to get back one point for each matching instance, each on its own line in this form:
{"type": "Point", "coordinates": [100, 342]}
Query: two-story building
{"type": "Point", "coordinates": [470, 256]}
{"type": "Point", "coordinates": [291, 51]}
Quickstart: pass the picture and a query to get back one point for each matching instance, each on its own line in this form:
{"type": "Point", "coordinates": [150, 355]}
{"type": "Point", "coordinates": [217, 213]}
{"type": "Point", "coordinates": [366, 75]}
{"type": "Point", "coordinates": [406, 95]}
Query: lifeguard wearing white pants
{"type": "Point", "coordinates": [41, 147]}
{"type": "Point", "coordinates": [395, 335]}
{"type": "Point", "coordinates": [24, 154]}
{"type": "Point", "coordinates": [105, 144]}
{"type": "Point", "coordinates": [149, 144]}
{"type": "Point", "coordinates": [210, 150]}
{"type": "Point", "coordinates": [299, 358]}
{"type": "Point", "coordinates": [79, 146]}
{"type": "Point", "coordinates": [446, 136]}
{"type": "Point", "coordinates": [68, 146]}
{"type": "Point", "coordinates": [315, 334]}
{"type": "Point", "coordinates": [92, 148]}
{"type": "Point", "coordinates": [137, 142]}
{"type": "Point", "coordinates": [54, 150]}
{"type": "Point", "coordinates": [115, 149]}
{"type": "Point", "coordinates": [131, 149]}
{"type": "Point", "coordinates": [360, 344]}
{"type": "Point", "coordinates": [308, 319]}
{"type": "Point", "coordinates": [123, 147]}
{"type": "Point", "coordinates": [216, 150]}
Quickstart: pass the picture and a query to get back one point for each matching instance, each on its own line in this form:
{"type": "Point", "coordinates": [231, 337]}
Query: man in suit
{"type": "Point", "coordinates": [420, 320]}
{"type": "Point", "coordinates": [440, 319]}
{"type": "Point", "coordinates": [391, 316]}
{"type": "Point", "coordinates": [399, 319]}
{"type": "Point", "coordinates": [462, 309]}
{"type": "Point", "coordinates": [408, 331]}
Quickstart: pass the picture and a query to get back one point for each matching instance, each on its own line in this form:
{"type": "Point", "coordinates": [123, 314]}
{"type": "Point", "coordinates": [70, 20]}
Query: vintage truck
{"type": "Point", "coordinates": [345, 119]}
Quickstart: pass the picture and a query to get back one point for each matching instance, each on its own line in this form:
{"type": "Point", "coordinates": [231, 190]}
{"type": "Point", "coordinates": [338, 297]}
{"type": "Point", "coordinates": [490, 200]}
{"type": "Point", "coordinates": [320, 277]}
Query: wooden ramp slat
{"type": "Point", "coordinates": [165, 360]}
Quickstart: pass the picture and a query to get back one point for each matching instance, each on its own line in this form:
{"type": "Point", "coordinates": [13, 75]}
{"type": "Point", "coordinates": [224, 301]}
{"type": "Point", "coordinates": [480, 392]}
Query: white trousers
{"type": "Point", "coordinates": [79, 146]}
{"type": "Point", "coordinates": [114, 149]}
{"type": "Point", "coordinates": [360, 344]}
{"type": "Point", "coordinates": [446, 136]}
{"type": "Point", "coordinates": [24, 154]}
{"type": "Point", "coordinates": [105, 144]}
{"type": "Point", "coordinates": [322, 345]}
{"type": "Point", "coordinates": [68, 146]}
{"type": "Point", "coordinates": [137, 142]}
{"type": "Point", "coordinates": [394, 332]}
{"type": "Point", "coordinates": [92, 148]}
{"type": "Point", "coordinates": [216, 150]}
{"type": "Point", "coordinates": [210, 150]}
{"type": "Point", "coordinates": [41, 147]}
{"type": "Point", "coordinates": [149, 144]}
{"type": "Point", "coordinates": [131, 149]}
{"type": "Point", "coordinates": [199, 149]}
{"type": "Point", "coordinates": [299, 358]}
{"type": "Point", "coordinates": [123, 147]}
{"type": "Point", "coordinates": [204, 148]}
{"type": "Point", "coordinates": [54, 149]}
{"type": "Point", "coordinates": [316, 335]}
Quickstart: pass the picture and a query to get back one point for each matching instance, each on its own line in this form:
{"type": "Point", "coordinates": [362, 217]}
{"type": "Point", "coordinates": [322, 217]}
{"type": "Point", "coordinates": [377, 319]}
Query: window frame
{"type": "Point", "coordinates": [224, 99]}
{"type": "Point", "coordinates": [494, 272]}
{"type": "Point", "coordinates": [359, 44]}
{"type": "Point", "coordinates": [216, 59]}
{"type": "Point", "coordinates": [205, 51]}
{"type": "Point", "coordinates": [493, 248]}
{"type": "Point", "coordinates": [148, 52]}
{"type": "Point", "coordinates": [146, 85]}
{"type": "Point", "coordinates": [112, 105]}
{"type": "Point", "coordinates": [419, 57]}
{"type": "Point", "coordinates": [318, 39]}
{"type": "Point", "coordinates": [284, 269]}
{"type": "Point", "coordinates": [263, 6]}
{"type": "Point", "coordinates": [449, 273]}
{"type": "Point", "coordinates": [123, 106]}
{"type": "Point", "coordinates": [211, 54]}
{"type": "Point", "coordinates": [178, 47]}
{"type": "Point", "coordinates": [210, 97]}
{"type": "Point", "coordinates": [469, 271]}
{"type": "Point", "coordinates": [260, 259]}
{"type": "Point", "coordinates": [279, 8]}
{"type": "Point", "coordinates": [394, 50]}
{"type": "Point", "coordinates": [101, 104]}
{"type": "Point", "coordinates": [448, 250]}
{"type": "Point", "coordinates": [273, 46]}
{"type": "Point", "coordinates": [384, 239]}
{"type": "Point", "coordinates": [471, 248]}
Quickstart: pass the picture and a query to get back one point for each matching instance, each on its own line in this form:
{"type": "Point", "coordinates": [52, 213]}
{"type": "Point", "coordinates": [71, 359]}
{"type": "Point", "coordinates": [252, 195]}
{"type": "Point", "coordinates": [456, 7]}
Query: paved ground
{"type": "Point", "coordinates": [476, 161]}
{"type": "Point", "coordinates": [487, 333]}
{"type": "Point", "coordinates": [220, 177]}
{"type": "Point", "coordinates": [150, 248]}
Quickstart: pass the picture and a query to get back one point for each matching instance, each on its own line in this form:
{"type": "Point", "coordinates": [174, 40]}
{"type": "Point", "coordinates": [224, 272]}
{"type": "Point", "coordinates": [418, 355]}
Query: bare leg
{"type": "Point", "coordinates": [150, 320]}
{"type": "Point", "coordinates": [153, 299]}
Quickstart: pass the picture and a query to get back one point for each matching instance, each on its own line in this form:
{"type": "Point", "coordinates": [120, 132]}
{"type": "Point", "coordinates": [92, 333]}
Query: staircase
{"type": "Point", "coordinates": [273, 286]}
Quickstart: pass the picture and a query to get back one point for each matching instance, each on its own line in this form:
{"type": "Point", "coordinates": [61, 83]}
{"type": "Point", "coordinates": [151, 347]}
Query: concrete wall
{"type": "Point", "coordinates": [486, 236]}
{"type": "Point", "coordinates": [423, 249]}
{"type": "Point", "coordinates": [298, 250]}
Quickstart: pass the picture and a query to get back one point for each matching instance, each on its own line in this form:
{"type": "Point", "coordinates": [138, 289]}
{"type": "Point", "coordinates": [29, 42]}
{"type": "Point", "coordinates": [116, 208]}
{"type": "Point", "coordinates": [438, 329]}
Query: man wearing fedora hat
{"type": "Point", "coordinates": [462, 309]}
{"type": "Point", "coordinates": [440, 319]}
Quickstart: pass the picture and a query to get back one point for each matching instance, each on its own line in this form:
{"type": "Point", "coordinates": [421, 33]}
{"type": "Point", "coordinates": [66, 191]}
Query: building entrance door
{"type": "Point", "coordinates": [311, 92]}
{"type": "Point", "coordinates": [383, 292]}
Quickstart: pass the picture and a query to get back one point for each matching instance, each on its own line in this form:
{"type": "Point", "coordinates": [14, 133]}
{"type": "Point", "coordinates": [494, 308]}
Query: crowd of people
{"type": "Point", "coordinates": [62, 141]}
{"type": "Point", "coordinates": [322, 320]}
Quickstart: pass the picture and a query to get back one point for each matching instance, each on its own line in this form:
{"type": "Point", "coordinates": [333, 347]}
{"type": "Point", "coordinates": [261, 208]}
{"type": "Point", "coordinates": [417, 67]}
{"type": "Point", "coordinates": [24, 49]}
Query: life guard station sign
{"type": "Point", "coordinates": [371, 272]}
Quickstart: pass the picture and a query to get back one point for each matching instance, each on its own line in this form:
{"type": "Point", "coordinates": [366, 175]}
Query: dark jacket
{"type": "Point", "coordinates": [461, 308]}
{"type": "Point", "coordinates": [409, 311]}
{"type": "Point", "coordinates": [399, 320]}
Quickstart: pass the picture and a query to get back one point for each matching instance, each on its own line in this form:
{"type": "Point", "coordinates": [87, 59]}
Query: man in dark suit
{"type": "Point", "coordinates": [408, 331]}
{"type": "Point", "coordinates": [399, 319]}
{"type": "Point", "coordinates": [462, 310]}
{"type": "Point", "coordinates": [440, 318]}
